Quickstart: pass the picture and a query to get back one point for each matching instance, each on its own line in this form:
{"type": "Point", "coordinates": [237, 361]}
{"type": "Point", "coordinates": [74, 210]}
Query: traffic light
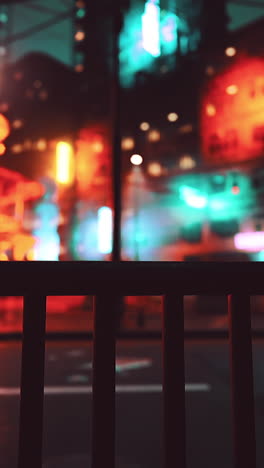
{"type": "Point", "coordinates": [80, 19]}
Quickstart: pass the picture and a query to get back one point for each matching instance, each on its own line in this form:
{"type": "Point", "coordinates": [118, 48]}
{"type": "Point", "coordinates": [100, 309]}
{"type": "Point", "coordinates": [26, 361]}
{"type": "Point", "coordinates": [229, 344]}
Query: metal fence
{"type": "Point", "coordinates": [107, 282]}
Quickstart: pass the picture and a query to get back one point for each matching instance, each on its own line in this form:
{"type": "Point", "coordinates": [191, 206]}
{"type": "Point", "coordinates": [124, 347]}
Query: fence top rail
{"type": "Point", "coordinates": [130, 278]}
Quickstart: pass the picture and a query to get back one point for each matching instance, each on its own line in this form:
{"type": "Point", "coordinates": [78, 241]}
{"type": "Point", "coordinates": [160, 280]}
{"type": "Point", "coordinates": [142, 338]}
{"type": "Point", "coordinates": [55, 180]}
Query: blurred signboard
{"type": "Point", "coordinates": [232, 113]}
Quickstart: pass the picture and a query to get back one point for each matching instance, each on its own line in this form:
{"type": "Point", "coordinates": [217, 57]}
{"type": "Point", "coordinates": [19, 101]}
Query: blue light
{"type": "Point", "coordinates": [105, 227]}
{"type": "Point", "coordinates": [48, 241]}
{"type": "Point", "coordinates": [169, 33]}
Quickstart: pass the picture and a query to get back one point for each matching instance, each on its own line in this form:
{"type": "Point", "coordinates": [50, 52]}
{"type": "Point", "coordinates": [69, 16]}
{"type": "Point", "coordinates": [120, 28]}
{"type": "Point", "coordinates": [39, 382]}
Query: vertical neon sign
{"type": "Point", "coordinates": [105, 229]}
{"type": "Point", "coordinates": [151, 28]}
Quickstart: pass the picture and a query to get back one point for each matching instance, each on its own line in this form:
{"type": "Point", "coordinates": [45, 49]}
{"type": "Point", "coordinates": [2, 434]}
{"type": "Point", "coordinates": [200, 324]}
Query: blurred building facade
{"type": "Point", "coordinates": [191, 189]}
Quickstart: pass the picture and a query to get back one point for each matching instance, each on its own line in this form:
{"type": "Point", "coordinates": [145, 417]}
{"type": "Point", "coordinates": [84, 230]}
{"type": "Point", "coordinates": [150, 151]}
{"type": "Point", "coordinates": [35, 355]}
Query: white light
{"type": "Point", "coordinates": [136, 159]}
{"type": "Point", "coordinates": [249, 241]}
{"type": "Point", "coordinates": [232, 89]}
{"type": "Point", "coordinates": [151, 28]}
{"type": "Point", "coordinates": [172, 117]}
{"type": "Point", "coordinates": [105, 226]}
{"type": "Point", "coordinates": [230, 51]}
{"type": "Point", "coordinates": [144, 126]}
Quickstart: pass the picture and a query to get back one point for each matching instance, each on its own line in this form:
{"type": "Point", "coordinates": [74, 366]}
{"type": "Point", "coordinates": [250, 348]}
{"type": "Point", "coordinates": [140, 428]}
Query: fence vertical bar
{"type": "Point", "coordinates": [174, 443]}
{"type": "Point", "coordinates": [103, 408]}
{"type": "Point", "coordinates": [32, 382]}
{"type": "Point", "coordinates": [242, 388]}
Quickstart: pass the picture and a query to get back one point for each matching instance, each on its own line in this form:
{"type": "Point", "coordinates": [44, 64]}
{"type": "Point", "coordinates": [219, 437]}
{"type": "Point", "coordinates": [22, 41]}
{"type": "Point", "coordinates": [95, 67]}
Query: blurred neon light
{"type": "Point", "coordinates": [151, 28]}
{"type": "Point", "coordinates": [47, 245]}
{"type": "Point", "coordinates": [64, 163]}
{"type": "Point", "coordinates": [249, 241]}
{"type": "Point", "coordinates": [193, 198]}
{"type": "Point", "coordinates": [105, 224]}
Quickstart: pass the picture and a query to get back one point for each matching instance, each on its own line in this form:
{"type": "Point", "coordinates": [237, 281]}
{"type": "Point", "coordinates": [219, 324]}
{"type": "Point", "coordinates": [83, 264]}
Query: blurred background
{"type": "Point", "coordinates": [191, 82]}
{"type": "Point", "coordinates": [190, 138]}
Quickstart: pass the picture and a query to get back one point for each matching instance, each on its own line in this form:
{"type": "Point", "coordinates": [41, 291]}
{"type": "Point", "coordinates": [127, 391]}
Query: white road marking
{"type": "Point", "coordinates": [123, 364]}
{"type": "Point", "coordinates": [87, 389]}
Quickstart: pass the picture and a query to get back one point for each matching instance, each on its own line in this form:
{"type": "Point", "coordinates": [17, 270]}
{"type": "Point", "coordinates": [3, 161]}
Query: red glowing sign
{"type": "Point", "coordinates": [232, 113]}
{"type": "Point", "coordinates": [93, 160]}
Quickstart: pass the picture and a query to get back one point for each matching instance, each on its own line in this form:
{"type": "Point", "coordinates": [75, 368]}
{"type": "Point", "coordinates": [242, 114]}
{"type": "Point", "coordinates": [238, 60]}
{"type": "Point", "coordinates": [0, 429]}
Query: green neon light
{"type": "Point", "coordinates": [80, 13]}
{"type": "Point", "coordinates": [193, 197]}
{"type": "Point", "coordinates": [159, 40]}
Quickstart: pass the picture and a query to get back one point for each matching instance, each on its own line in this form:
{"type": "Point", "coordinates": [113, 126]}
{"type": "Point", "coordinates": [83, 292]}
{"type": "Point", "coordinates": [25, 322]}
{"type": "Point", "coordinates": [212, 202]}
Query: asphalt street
{"type": "Point", "coordinates": [138, 405]}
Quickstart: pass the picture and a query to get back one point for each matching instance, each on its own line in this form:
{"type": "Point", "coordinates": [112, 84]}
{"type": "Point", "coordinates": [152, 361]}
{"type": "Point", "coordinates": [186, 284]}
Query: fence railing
{"type": "Point", "coordinates": [108, 282]}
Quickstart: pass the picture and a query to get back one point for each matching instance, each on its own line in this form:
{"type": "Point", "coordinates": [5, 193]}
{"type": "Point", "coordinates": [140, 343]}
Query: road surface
{"type": "Point", "coordinates": [138, 405]}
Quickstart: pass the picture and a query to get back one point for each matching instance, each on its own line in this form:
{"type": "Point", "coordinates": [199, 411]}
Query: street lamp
{"type": "Point", "coordinates": [136, 160]}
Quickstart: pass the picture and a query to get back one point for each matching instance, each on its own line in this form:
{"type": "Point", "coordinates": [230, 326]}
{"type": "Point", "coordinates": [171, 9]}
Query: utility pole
{"type": "Point", "coordinates": [117, 23]}
{"type": "Point", "coordinates": [116, 130]}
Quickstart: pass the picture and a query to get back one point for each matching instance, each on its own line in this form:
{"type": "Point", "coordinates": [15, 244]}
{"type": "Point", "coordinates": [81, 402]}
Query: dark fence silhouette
{"type": "Point", "coordinates": [108, 282]}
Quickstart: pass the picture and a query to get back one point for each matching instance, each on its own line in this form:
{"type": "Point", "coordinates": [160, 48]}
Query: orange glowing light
{"type": "Point", "coordinates": [4, 127]}
{"type": "Point", "coordinates": [98, 146]}
{"type": "Point", "coordinates": [30, 255]}
{"type": "Point", "coordinates": [210, 110]}
{"type": "Point", "coordinates": [236, 132]}
{"type": "Point", "coordinates": [23, 243]}
{"type": "Point", "coordinates": [3, 257]}
{"type": "Point", "coordinates": [79, 67]}
{"type": "Point", "coordinates": [127, 143]}
{"type": "Point", "coordinates": [79, 36]}
{"type": "Point", "coordinates": [2, 149]}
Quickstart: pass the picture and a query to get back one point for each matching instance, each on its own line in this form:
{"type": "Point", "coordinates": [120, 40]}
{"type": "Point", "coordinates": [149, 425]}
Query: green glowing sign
{"type": "Point", "coordinates": [151, 28]}
{"type": "Point", "coordinates": [148, 33]}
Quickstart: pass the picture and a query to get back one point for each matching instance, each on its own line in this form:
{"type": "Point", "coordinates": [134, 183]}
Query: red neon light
{"type": "Point", "coordinates": [235, 190]}
{"type": "Point", "coordinates": [232, 113]}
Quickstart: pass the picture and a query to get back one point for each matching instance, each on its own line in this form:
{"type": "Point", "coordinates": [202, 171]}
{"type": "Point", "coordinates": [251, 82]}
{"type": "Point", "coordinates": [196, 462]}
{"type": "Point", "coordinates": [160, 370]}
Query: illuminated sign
{"type": "Point", "coordinates": [64, 163]}
{"type": "Point", "coordinates": [145, 36]}
{"type": "Point", "coordinates": [249, 241]}
{"type": "Point", "coordinates": [105, 230]}
{"type": "Point", "coordinates": [232, 113]}
{"type": "Point", "coordinates": [151, 28]}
